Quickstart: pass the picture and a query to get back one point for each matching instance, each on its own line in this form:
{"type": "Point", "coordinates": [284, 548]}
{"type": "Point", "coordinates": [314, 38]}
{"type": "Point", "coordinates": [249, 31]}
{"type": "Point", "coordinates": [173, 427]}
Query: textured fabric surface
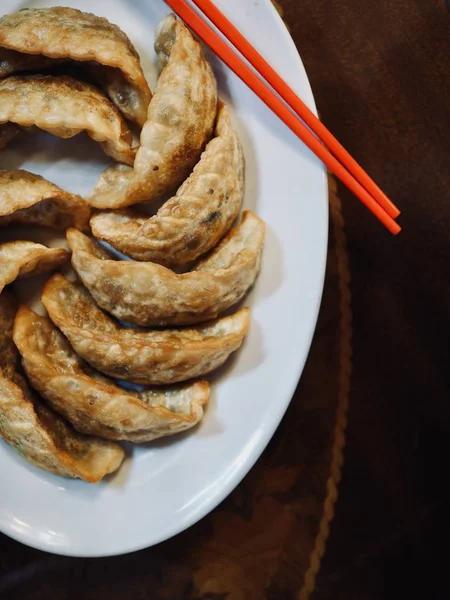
{"type": "Point", "coordinates": [380, 71]}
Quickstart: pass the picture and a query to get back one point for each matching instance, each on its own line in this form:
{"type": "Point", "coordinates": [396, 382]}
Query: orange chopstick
{"type": "Point", "coordinates": [261, 89]}
{"type": "Point", "coordinates": [298, 106]}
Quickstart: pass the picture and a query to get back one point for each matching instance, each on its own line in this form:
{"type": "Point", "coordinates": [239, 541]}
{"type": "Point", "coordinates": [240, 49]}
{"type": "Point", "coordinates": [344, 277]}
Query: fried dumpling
{"type": "Point", "coordinates": [64, 107]}
{"type": "Point", "coordinates": [46, 441]}
{"type": "Point", "coordinates": [21, 259]}
{"type": "Point", "coordinates": [139, 355]}
{"type": "Point", "coordinates": [195, 219]}
{"type": "Point", "coordinates": [29, 199]}
{"type": "Point", "coordinates": [145, 293]}
{"type": "Point", "coordinates": [38, 434]}
{"type": "Point", "coordinates": [37, 38]}
{"type": "Point", "coordinates": [93, 403]}
{"type": "Point", "coordinates": [180, 121]}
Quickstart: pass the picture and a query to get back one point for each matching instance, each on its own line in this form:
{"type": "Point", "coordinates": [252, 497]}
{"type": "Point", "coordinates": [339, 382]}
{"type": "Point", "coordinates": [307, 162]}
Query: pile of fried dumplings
{"type": "Point", "coordinates": [164, 317]}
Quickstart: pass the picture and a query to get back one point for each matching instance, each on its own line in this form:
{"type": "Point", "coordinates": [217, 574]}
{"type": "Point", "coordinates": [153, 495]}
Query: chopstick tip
{"type": "Point", "coordinates": [395, 230]}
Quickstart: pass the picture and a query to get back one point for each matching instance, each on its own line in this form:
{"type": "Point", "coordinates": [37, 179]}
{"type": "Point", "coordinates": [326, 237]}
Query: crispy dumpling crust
{"type": "Point", "coordinates": [31, 38]}
{"type": "Point", "coordinates": [179, 123]}
{"type": "Point", "coordinates": [93, 403]}
{"type": "Point", "coordinates": [64, 106]}
{"type": "Point", "coordinates": [195, 219]}
{"type": "Point", "coordinates": [29, 199]}
{"type": "Point", "coordinates": [22, 259]}
{"type": "Point", "coordinates": [139, 355]}
{"type": "Point", "coordinates": [145, 293]}
{"type": "Point", "coordinates": [46, 441]}
{"type": "Point", "coordinates": [42, 437]}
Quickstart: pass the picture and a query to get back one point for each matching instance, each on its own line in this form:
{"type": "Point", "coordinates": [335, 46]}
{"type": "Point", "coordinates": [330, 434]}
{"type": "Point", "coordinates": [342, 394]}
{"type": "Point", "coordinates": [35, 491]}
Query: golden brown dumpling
{"type": "Point", "coordinates": [93, 403]}
{"type": "Point", "coordinates": [21, 259]}
{"type": "Point", "coordinates": [65, 107]}
{"type": "Point", "coordinates": [145, 293]}
{"type": "Point", "coordinates": [46, 441]}
{"type": "Point", "coordinates": [38, 434]}
{"type": "Point", "coordinates": [29, 199]}
{"type": "Point", "coordinates": [139, 355]}
{"type": "Point", "coordinates": [195, 219]}
{"type": "Point", "coordinates": [37, 38]}
{"type": "Point", "coordinates": [179, 123]}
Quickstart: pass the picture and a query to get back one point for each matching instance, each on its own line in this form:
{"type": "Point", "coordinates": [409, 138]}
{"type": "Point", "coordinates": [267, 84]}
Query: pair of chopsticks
{"type": "Point", "coordinates": [347, 170]}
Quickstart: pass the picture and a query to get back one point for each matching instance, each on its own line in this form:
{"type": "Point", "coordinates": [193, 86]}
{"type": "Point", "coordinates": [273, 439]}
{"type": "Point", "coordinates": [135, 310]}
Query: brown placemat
{"type": "Point", "coordinates": [380, 75]}
{"type": "Point", "coordinates": [266, 540]}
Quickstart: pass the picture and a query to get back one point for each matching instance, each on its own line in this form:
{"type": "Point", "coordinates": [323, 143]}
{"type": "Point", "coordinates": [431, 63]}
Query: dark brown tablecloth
{"type": "Point", "coordinates": [380, 71]}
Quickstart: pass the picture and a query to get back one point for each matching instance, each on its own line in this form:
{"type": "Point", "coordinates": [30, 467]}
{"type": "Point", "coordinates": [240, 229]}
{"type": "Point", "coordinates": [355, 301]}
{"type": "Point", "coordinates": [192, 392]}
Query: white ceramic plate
{"type": "Point", "coordinates": [168, 486]}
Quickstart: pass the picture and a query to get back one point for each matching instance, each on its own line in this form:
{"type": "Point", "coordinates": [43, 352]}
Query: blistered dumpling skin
{"type": "Point", "coordinates": [195, 219]}
{"type": "Point", "coordinates": [34, 431]}
{"type": "Point", "coordinates": [23, 259]}
{"type": "Point", "coordinates": [64, 106]}
{"type": "Point", "coordinates": [148, 294]}
{"type": "Point", "coordinates": [93, 403]}
{"type": "Point", "coordinates": [179, 123]}
{"type": "Point", "coordinates": [29, 199]}
{"type": "Point", "coordinates": [139, 355]}
{"type": "Point", "coordinates": [39, 38]}
{"type": "Point", "coordinates": [46, 441]}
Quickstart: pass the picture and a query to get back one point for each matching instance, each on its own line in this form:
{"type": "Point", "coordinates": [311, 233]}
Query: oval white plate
{"type": "Point", "coordinates": [166, 487]}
